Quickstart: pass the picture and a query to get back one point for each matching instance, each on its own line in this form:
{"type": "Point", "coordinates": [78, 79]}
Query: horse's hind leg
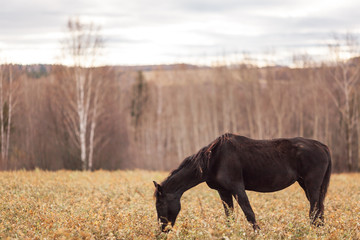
{"type": "Point", "coordinates": [302, 185]}
{"type": "Point", "coordinates": [316, 185]}
{"type": "Point", "coordinates": [321, 212]}
{"type": "Point", "coordinates": [227, 201]}
{"type": "Point", "coordinates": [314, 194]}
{"type": "Point", "coordinates": [313, 188]}
{"type": "Point", "coordinates": [316, 207]}
{"type": "Point", "coordinates": [323, 190]}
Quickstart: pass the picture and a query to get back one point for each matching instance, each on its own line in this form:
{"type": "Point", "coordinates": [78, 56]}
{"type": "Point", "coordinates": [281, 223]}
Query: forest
{"type": "Point", "coordinates": [83, 116]}
{"type": "Point", "coordinates": [153, 119]}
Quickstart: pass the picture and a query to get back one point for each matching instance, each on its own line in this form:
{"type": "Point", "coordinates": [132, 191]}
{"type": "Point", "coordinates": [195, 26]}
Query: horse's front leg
{"type": "Point", "coordinates": [227, 202]}
{"type": "Point", "coordinates": [242, 199]}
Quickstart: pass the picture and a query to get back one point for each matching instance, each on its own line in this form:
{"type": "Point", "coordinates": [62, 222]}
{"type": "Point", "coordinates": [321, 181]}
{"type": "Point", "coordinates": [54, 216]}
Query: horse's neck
{"type": "Point", "coordinates": [182, 181]}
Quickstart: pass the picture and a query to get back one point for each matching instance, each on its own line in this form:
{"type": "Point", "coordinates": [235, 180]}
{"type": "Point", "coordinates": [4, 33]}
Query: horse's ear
{"type": "Point", "coordinates": [158, 187]}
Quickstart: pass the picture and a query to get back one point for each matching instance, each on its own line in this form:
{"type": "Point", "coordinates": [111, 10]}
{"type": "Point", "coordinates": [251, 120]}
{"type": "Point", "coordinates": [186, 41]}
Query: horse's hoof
{"type": "Point", "coordinates": [318, 223]}
{"type": "Point", "coordinates": [256, 227]}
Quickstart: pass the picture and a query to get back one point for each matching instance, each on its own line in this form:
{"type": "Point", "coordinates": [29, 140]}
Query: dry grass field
{"type": "Point", "coordinates": [120, 205]}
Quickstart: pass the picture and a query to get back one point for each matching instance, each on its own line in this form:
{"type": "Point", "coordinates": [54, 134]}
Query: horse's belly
{"type": "Point", "coordinates": [268, 188]}
{"type": "Point", "coordinates": [269, 182]}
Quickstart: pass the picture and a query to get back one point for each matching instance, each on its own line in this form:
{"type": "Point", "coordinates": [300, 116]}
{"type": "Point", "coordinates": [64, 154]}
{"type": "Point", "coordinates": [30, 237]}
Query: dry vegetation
{"type": "Point", "coordinates": [120, 205]}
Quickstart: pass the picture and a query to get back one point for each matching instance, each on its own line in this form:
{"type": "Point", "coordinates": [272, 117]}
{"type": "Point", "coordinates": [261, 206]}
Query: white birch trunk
{"type": "Point", "coordinates": [92, 129]}
{"type": "Point", "coordinates": [91, 142]}
{"type": "Point", "coordinates": [80, 82]}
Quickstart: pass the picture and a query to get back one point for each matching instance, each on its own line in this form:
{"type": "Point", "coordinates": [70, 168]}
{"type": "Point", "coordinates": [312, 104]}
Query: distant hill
{"type": "Point", "coordinates": [146, 68]}
{"type": "Point", "coordinates": [42, 70]}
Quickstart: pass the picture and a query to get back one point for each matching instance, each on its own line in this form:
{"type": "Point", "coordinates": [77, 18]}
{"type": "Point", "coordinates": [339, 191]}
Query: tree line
{"type": "Point", "coordinates": [83, 117]}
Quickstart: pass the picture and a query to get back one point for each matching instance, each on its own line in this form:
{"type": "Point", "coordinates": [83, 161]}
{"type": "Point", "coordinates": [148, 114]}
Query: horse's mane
{"type": "Point", "coordinates": [199, 161]}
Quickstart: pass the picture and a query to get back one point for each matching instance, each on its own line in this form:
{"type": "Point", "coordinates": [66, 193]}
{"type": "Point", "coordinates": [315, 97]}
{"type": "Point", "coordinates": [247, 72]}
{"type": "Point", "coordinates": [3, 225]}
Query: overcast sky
{"type": "Point", "coordinates": [173, 31]}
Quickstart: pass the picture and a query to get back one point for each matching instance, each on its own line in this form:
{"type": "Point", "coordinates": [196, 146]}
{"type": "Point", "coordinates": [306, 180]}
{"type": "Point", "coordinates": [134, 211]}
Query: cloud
{"type": "Point", "coordinates": [140, 31]}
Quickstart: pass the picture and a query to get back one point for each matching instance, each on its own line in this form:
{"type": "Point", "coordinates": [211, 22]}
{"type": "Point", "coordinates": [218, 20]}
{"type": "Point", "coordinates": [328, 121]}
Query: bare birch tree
{"type": "Point", "coordinates": [9, 114]}
{"type": "Point", "coordinates": [7, 105]}
{"type": "Point", "coordinates": [81, 48]}
{"type": "Point", "coordinates": [345, 77]}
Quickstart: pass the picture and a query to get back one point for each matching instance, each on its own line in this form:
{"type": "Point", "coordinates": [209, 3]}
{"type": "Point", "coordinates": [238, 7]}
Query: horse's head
{"type": "Point", "coordinates": [167, 207]}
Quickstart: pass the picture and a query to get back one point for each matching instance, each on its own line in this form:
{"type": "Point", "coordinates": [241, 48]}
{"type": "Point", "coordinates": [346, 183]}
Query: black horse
{"type": "Point", "coordinates": [232, 164]}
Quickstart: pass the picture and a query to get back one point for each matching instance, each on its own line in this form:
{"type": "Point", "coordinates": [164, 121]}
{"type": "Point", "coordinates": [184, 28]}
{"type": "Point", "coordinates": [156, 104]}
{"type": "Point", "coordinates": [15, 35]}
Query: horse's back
{"type": "Point", "coordinates": [288, 149]}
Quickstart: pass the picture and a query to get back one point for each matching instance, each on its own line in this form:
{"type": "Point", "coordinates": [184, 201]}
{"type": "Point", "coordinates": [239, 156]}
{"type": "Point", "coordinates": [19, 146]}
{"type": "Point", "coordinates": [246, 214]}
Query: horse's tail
{"type": "Point", "coordinates": [326, 180]}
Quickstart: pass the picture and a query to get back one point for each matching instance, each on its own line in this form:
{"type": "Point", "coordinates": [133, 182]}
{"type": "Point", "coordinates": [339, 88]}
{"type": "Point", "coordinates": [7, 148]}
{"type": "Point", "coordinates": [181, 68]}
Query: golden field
{"type": "Point", "coordinates": [120, 205]}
